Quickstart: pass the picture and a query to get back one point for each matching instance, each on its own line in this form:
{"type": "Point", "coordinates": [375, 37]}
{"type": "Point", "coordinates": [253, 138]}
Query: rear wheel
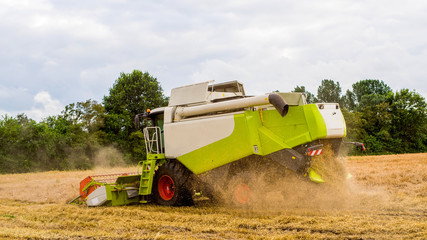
{"type": "Point", "coordinates": [242, 194]}
{"type": "Point", "coordinates": [246, 189]}
{"type": "Point", "coordinates": [166, 187]}
{"type": "Point", "coordinates": [249, 180]}
{"type": "Point", "coordinates": [172, 184]}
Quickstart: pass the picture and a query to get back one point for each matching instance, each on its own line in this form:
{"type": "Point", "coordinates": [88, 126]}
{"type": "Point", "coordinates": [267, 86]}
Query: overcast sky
{"type": "Point", "coordinates": [54, 53]}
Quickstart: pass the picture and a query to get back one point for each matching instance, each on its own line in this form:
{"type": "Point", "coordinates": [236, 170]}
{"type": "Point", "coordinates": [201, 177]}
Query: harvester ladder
{"type": "Point", "coordinates": [146, 183]}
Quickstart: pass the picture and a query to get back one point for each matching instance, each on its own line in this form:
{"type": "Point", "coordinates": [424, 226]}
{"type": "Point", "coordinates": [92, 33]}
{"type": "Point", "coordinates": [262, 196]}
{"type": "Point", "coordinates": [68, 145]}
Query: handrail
{"type": "Point", "coordinates": [153, 140]}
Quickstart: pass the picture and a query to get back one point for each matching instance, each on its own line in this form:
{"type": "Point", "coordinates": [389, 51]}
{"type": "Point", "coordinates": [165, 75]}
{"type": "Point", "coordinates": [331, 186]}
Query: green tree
{"type": "Point", "coordinates": [408, 111]}
{"type": "Point", "coordinates": [376, 121]}
{"type": "Point", "coordinates": [308, 95]}
{"type": "Point", "coordinates": [16, 148]}
{"type": "Point", "coordinates": [67, 145]}
{"type": "Point", "coordinates": [89, 116]}
{"type": "Point", "coordinates": [329, 91]}
{"type": "Point", "coordinates": [131, 94]}
{"type": "Point", "coordinates": [56, 143]}
{"type": "Point", "coordinates": [369, 92]}
{"type": "Point", "coordinates": [354, 124]}
{"type": "Point", "coordinates": [349, 100]}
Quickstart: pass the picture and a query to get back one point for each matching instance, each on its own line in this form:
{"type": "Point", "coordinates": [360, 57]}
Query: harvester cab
{"type": "Point", "coordinates": [217, 130]}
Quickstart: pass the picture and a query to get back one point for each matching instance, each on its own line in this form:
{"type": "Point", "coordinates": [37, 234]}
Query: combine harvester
{"type": "Point", "coordinates": [207, 127]}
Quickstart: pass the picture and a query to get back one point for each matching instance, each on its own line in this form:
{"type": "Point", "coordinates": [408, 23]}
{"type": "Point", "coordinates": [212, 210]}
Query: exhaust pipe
{"type": "Point", "coordinates": [273, 98]}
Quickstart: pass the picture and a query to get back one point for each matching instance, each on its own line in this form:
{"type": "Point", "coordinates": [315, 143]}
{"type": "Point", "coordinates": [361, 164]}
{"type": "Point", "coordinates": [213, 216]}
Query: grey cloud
{"type": "Point", "coordinates": [76, 51]}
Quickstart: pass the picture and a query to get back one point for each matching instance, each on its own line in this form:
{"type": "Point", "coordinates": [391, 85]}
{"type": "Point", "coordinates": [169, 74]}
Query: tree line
{"type": "Point", "coordinates": [71, 140]}
{"type": "Point", "coordinates": [386, 121]}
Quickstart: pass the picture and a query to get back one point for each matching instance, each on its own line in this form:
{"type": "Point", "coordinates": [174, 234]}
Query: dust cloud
{"type": "Point", "coordinates": [108, 157]}
{"type": "Point", "coordinates": [291, 192]}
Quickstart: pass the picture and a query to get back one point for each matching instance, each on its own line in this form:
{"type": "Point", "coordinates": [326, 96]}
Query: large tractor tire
{"type": "Point", "coordinates": [249, 181]}
{"type": "Point", "coordinates": [247, 189]}
{"type": "Point", "coordinates": [172, 185]}
{"type": "Point", "coordinates": [241, 191]}
{"type": "Point", "coordinates": [252, 180]}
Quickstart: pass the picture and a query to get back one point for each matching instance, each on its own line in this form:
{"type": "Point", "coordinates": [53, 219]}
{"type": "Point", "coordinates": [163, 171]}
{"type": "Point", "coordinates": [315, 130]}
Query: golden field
{"type": "Point", "coordinates": [386, 198]}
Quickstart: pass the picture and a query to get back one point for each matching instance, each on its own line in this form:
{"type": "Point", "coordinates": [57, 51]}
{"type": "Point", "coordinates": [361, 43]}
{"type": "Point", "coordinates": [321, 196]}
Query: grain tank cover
{"type": "Point", "coordinates": [205, 92]}
{"type": "Point", "coordinates": [230, 87]}
{"type": "Point", "coordinates": [190, 94]}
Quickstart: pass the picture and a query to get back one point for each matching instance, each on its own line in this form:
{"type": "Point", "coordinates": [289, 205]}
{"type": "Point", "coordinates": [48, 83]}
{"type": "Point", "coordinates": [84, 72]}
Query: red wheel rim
{"type": "Point", "coordinates": [242, 193]}
{"type": "Point", "coordinates": [166, 187]}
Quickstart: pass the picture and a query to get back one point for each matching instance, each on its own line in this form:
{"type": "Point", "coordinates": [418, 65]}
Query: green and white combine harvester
{"type": "Point", "coordinates": [215, 130]}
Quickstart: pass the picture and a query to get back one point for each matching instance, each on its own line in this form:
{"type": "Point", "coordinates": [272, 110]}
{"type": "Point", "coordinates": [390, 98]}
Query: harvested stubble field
{"type": "Point", "coordinates": [385, 199]}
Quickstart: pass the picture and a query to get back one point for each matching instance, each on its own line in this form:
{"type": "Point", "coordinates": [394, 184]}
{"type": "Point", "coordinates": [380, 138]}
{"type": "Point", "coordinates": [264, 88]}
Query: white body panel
{"type": "Point", "coordinates": [97, 197]}
{"type": "Point", "coordinates": [334, 119]}
{"type": "Point", "coordinates": [186, 136]}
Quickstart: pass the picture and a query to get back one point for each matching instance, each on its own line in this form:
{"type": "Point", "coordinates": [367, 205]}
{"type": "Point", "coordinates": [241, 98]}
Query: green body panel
{"type": "Point", "coordinates": [128, 179]}
{"type": "Point", "coordinates": [316, 124]}
{"type": "Point", "coordinates": [345, 126]}
{"type": "Point", "coordinates": [261, 133]}
{"type": "Point", "coordinates": [117, 196]}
